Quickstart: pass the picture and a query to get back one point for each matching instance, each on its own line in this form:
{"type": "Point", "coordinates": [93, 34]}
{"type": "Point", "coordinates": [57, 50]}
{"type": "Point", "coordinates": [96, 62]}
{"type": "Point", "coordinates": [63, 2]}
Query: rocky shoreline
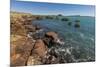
{"type": "Point", "coordinates": [29, 49]}
{"type": "Point", "coordinates": [33, 45]}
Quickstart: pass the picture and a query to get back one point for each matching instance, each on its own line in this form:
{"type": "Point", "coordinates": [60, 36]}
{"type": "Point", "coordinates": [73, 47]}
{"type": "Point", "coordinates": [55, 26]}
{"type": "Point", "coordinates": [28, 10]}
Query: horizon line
{"type": "Point", "coordinates": [50, 14]}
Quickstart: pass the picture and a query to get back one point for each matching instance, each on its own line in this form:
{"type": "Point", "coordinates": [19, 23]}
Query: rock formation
{"type": "Point", "coordinates": [25, 48]}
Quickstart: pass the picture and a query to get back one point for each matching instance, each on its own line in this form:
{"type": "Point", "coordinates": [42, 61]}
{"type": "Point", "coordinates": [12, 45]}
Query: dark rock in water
{"type": "Point", "coordinates": [48, 42]}
{"type": "Point", "coordinates": [69, 23]}
{"type": "Point", "coordinates": [38, 34]}
{"type": "Point", "coordinates": [77, 25]}
{"type": "Point", "coordinates": [65, 19]}
{"type": "Point", "coordinates": [37, 27]}
{"type": "Point", "coordinates": [39, 48]}
{"type": "Point", "coordinates": [77, 20]}
{"type": "Point", "coordinates": [54, 37]}
{"type": "Point", "coordinates": [50, 39]}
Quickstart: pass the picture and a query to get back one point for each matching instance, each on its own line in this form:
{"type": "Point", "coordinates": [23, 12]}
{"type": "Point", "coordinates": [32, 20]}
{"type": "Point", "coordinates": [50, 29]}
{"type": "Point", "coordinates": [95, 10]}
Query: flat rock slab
{"type": "Point", "coordinates": [20, 51]}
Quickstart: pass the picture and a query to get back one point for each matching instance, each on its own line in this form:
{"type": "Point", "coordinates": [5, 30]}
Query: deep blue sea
{"type": "Point", "coordinates": [79, 42]}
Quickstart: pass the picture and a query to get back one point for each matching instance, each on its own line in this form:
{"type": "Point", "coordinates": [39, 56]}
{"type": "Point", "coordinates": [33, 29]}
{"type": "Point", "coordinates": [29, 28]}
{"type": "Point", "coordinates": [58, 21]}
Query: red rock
{"type": "Point", "coordinates": [21, 51]}
{"type": "Point", "coordinates": [40, 48]}
{"type": "Point", "coordinates": [53, 35]}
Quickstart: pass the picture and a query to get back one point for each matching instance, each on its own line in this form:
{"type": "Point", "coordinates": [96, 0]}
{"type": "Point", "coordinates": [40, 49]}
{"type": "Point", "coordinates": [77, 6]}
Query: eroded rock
{"type": "Point", "coordinates": [52, 35]}
{"type": "Point", "coordinates": [40, 48]}
{"type": "Point", "coordinates": [30, 28]}
{"type": "Point", "coordinates": [53, 38]}
{"type": "Point", "coordinates": [20, 51]}
{"type": "Point", "coordinates": [34, 60]}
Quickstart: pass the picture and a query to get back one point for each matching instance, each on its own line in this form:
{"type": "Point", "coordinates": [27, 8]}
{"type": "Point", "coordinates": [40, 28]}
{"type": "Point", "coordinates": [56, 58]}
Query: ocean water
{"type": "Point", "coordinates": [79, 42]}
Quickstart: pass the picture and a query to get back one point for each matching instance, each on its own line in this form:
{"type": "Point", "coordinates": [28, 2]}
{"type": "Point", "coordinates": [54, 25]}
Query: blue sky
{"type": "Point", "coordinates": [52, 9]}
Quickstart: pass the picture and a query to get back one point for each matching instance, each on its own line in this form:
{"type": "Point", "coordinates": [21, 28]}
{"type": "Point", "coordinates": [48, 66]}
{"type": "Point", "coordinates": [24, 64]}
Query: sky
{"type": "Point", "coordinates": [40, 8]}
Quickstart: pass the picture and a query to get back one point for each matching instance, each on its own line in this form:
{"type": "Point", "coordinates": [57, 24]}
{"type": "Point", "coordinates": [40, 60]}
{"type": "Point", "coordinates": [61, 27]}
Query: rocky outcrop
{"type": "Point", "coordinates": [21, 44]}
{"type": "Point", "coordinates": [53, 37]}
{"type": "Point", "coordinates": [25, 48]}
{"type": "Point", "coordinates": [20, 50]}
{"type": "Point", "coordinates": [40, 48]}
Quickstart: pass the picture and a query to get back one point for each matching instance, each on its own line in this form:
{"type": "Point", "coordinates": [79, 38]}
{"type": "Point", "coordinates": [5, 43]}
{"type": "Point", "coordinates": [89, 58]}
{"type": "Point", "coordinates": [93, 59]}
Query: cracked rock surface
{"type": "Point", "coordinates": [26, 50]}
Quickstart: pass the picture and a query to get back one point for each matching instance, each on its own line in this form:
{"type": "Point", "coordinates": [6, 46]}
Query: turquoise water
{"type": "Point", "coordinates": [79, 42]}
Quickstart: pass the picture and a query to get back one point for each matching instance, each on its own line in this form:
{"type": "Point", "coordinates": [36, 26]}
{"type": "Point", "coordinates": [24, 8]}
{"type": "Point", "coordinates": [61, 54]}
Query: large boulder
{"type": "Point", "coordinates": [53, 37]}
{"type": "Point", "coordinates": [40, 48]}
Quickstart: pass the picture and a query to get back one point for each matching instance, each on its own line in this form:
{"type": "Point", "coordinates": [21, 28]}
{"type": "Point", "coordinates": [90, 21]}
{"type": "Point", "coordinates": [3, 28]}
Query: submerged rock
{"type": "Point", "coordinates": [77, 25]}
{"type": "Point", "coordinates": [65, 19]}
{"type": "Point", "coordinates": [69, 23]}
{"type": "Point", "coordinates": [77, 20]}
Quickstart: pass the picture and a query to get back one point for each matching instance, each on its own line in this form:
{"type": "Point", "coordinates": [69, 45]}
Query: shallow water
{"type": "Point", "coordinates": [79, 42]}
